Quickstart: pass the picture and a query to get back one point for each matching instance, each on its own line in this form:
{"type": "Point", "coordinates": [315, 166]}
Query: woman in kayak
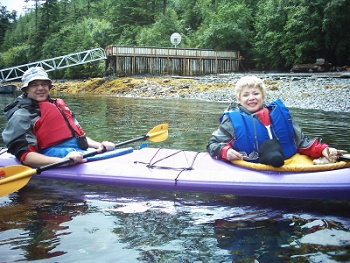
{"type": "Point", "coordinates": [41, 130]}
{"type": "Point", "coordinates": [255, 132]}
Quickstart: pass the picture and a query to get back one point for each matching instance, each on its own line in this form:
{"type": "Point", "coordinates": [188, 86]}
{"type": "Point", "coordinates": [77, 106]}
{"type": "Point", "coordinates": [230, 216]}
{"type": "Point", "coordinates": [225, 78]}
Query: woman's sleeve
{"type": "Point", "coordinates": [218, 143]}
{"type": "Point", "coordinates": [310, 147]}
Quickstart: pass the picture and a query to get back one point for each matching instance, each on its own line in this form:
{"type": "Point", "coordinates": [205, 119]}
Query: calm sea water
{"type": "Point", "coordinates": [53, 221]}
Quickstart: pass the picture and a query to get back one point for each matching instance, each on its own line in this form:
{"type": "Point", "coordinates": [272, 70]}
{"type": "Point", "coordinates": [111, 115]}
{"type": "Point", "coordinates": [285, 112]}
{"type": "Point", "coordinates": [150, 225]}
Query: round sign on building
{"type": "Point", "coordinates": [175, 39]}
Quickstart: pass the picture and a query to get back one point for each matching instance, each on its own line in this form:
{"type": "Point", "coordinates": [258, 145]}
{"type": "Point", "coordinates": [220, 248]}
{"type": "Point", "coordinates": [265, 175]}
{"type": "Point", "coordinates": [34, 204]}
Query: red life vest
{"type": "Point", "coordinates": [51, 128]}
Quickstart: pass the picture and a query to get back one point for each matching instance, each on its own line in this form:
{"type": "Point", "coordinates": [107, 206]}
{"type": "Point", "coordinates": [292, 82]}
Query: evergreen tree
{"type": "Point", "coordinates": [6, 19]}
{"type": "Point", "coordinates": [275, 33]}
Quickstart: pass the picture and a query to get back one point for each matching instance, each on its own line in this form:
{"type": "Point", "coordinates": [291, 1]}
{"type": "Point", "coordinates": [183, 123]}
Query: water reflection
{"type": "Point", "coordinates": [89, 222]}
{"type": "Point", "coordinates": [67, 222]}
{"type": "Point", "coordinates": [37, 222]}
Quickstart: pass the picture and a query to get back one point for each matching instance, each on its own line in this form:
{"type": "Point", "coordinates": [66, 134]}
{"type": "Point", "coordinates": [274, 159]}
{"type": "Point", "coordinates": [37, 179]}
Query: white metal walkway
{"type": "Point", "coordinates": [70, 60]}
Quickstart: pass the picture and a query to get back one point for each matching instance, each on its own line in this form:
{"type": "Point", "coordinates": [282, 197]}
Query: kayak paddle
{"type": "Point", "coordinates": [13, 178]}
{"type": "Point", "coordinates": [344, 157]}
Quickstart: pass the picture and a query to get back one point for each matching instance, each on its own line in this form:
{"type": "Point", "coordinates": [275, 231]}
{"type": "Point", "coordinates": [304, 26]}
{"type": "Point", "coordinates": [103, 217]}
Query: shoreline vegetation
{"type": "Point", "coordinates": [322, 92]}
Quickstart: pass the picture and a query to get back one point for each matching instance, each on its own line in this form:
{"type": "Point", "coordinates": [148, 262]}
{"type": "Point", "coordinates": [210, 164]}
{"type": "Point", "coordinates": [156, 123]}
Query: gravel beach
{"type": "Point", "coordinates": [298, 91]}
{"type": "Point", "coordinates": [322, 91]}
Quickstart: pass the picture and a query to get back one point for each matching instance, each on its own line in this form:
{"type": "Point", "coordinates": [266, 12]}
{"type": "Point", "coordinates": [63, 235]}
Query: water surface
{"type": "Point", "coordinates": [53, 221]}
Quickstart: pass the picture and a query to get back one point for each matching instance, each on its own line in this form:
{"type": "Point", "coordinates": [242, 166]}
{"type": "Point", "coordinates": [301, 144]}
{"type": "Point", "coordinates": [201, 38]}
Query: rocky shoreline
{"type": "Point", "coordinates": [323, 92]}
{"type": "Point", "coordinates": [295, 90]}
{"type": "Point", "coordinates": [298, 91]}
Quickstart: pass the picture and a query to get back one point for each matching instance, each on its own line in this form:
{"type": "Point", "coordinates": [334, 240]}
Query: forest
{"type": "Point", "coordinates": [275, 34]}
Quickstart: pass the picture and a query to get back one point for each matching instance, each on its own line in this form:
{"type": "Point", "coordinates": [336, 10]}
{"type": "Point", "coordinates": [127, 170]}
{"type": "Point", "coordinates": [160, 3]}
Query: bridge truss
{"type": "Point", "coordinates": [66, 61]}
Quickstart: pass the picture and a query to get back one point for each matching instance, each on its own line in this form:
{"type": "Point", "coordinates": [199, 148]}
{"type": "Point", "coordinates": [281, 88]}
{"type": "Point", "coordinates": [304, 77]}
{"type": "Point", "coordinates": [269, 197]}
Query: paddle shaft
{"type": "Point", "coordinates": [67, 161]}
{"type": "Point", "coordinates": [15, 177]}
{"type": "Point", "coordinates": [344, 158]}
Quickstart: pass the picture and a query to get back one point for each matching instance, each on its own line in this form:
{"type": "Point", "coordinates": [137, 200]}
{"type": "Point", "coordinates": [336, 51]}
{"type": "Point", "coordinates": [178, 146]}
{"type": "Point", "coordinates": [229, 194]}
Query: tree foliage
{"type": "Point", "coordinates": [275, 33]}
{"type": "Point", "coordinates": [226, 26]}
{"type": "Point", "coordinates": [6, 19]}
{"type": "Point", "coordinates": [159, 33]}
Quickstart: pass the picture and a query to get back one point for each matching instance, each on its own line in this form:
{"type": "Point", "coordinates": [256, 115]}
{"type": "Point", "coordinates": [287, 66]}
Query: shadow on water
{"type": "Point", "coordinates": [60, 221]}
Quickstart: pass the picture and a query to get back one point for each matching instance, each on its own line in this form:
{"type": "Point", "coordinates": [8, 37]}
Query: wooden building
{"type": "Point", "coordinates": [124, 61]}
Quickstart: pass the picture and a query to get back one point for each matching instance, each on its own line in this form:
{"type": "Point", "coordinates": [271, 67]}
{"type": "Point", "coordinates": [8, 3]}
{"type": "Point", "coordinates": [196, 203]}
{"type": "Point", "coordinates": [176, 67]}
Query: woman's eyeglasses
{"type": "Point", "coordinates": [250, 157]}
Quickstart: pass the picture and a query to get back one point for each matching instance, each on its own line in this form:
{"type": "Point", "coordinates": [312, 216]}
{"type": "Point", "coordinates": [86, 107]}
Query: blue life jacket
{"type": "Point", "coordinates": [250, 133]}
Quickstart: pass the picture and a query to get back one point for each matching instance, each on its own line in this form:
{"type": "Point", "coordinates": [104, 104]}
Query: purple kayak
{"type": "Point", "coordinates": [180, 170]}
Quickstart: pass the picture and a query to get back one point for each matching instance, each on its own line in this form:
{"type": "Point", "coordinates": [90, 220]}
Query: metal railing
{"type": "Point", "coordinates": [66, 61]}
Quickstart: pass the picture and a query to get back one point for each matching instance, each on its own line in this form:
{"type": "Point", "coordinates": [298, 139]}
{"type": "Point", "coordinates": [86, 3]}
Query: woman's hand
{"type": "Point", "coordinates": [233, 155]}
{"type": "Point", "coordinates": [332, 154]}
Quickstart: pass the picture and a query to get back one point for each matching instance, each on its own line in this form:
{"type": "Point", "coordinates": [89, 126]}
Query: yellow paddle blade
{"type": "Point", "coordinates": [13, 178]}
{"type": "Point", "coordinates": [158, 133]}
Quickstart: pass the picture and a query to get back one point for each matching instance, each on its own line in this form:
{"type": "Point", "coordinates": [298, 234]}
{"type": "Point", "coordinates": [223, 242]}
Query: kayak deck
{"type": "Point", "coordinates": [169, 169]}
